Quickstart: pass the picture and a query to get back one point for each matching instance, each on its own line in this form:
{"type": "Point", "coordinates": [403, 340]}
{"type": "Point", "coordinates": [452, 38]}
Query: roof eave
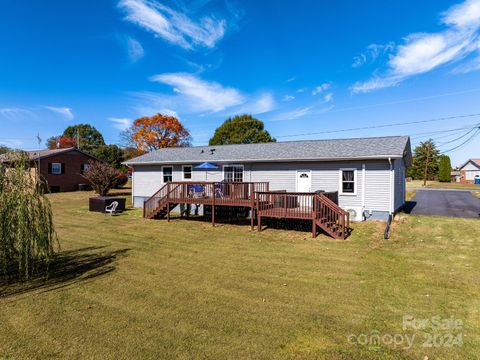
{"type": "Point", "coordinates": [378, 157]}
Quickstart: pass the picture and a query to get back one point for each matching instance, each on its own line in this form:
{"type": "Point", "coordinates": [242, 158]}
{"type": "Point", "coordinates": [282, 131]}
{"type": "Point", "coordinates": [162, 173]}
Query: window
{"type": "Point", "coordinates": [187, 172]}
{"type": "Point", "coordinates": [167, 173]}
{"type": "Point", "coordinates": [348, 179]}
{"type": "Point", "coordinates": [55, 168]}
{"type": "Point", "coordinates": [84, 168]}
{"type": "Point", "coordinates": [233, 173]}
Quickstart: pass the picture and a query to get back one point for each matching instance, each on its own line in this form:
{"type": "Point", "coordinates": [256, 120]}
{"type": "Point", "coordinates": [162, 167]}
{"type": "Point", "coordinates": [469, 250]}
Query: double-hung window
{"type": "Point", "coordinates": [348, 181]}
{"type": "Point", "coordinates": [187, 172]}
{"type": "Point", "coordinates": [233, 173]}
{"type": "Point", "coordinates": [56, 168]}
{"type": "Point", "coordinates": [167, 172]}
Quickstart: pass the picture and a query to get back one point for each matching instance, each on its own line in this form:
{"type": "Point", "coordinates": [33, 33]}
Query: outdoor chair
{"type": "Point", "coordinates": [196, 191]}
{"type": "Point", "coordinates": [112, 208]}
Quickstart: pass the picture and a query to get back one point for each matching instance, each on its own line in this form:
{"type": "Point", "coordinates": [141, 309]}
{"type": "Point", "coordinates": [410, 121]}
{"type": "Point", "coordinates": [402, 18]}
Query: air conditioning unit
{"type": "Point", "coordinates": [356, 212]}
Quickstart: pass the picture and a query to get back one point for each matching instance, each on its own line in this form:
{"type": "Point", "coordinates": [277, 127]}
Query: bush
{"type": "Point", "coordinates": [122, 179]}
{"type": "Point", "coordinates": [444, 169]}
{"type": "Point", "coordinates": [102, 177]}
{"type": "Point", "coordinates": [27, 235]}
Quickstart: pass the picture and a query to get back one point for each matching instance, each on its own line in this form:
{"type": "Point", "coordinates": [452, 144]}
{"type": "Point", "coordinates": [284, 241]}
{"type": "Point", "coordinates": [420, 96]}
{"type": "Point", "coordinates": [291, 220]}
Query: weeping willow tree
{"type": "Point", "coordinates": [27, 235]}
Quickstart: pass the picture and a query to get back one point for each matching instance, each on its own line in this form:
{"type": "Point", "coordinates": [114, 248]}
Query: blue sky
{"type": "Point", "coordinates": [306, 68]}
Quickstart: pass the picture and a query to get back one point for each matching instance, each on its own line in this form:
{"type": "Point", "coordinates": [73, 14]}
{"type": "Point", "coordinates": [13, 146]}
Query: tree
{"type": "Point", "coordinates": [444, 169]}
{"type": "Point", "coordinates": [102, 177]}
{"type": "Point", "coordinates": [27, 234]}
{"type": "Point", "coordinates": [242, 129]}
{"type": "Point", "coordinates": [60, 142]}
{"type": "Point", "coordinates": [4, 149]}
{"type": "Point", "coordinates": [425, 161]}
{"type": "Point", "coordinates": [111, 154]}
{"type": "Point", "coordinates": [89, 137]}
{"type": "Point", "coordinates": [158, 131]}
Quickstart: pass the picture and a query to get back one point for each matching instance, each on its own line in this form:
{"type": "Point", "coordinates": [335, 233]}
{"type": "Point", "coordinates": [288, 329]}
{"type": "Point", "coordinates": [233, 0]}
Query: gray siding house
{"type": "Point", "coordinates": [368, 173]}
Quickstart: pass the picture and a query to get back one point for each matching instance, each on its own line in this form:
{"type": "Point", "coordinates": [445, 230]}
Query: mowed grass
{"type": "Point", "coordinates": [129, 288]}
{"type": "Point", "coordinates": [418, 184]}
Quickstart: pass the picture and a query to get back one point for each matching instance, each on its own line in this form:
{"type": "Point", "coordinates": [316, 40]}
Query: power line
{"type": "Point", "coordinates": [464, 143]}
{"type": "Point", "coordinates": [384, 125]}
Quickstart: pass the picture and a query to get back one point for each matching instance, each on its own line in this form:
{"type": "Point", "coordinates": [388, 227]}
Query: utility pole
{"type": "Point", "coordinates": [39, 139]}
{"type": "Point", "coordinates": [425, 173]}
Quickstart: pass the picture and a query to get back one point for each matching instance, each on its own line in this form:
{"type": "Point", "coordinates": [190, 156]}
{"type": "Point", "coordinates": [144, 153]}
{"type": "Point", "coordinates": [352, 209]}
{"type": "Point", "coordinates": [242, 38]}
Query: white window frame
{"type": "Point", "coordinates": [163, 176]}
{"type": "Point", "coordinates": [183, 172]}
{"type": "Point", "coordinates": [236, 165]}
{"type": "Point", "coordinates": [340, 182]}
{"type": "Point", "coordinates": [59, 172]}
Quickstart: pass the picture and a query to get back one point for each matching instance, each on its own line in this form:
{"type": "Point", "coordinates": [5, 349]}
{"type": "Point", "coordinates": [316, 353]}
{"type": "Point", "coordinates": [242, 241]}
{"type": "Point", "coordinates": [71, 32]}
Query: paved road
{"type": "Point", "coordinates": [446, 203]}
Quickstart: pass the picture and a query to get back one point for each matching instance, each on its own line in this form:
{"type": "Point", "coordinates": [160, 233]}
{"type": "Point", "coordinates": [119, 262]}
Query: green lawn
{"type": "Point", "coordinates": [128, 288]}
{"type": "Point", "coordinates": [418, 184]}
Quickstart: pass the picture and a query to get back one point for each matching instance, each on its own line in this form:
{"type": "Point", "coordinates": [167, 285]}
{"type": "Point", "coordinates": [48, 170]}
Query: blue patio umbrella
{"type": "Point", "coordinates": [206, 166]}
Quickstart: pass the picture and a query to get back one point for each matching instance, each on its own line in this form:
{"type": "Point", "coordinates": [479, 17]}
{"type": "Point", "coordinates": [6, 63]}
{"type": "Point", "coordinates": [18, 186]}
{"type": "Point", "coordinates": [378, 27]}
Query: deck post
{"type": "Point", "coordinates": [168, 211]}
{"type": "Point", "coordinates": [144, 208]}
{"type": "Point", "coordinates": [213, 206]}
{"type": "Point", "coordinates": [252, 204]}
{"type": "Point", "coordinates": [314, 217]}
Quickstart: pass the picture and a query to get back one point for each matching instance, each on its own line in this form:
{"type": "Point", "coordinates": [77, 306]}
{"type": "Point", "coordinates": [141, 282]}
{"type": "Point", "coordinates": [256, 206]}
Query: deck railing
{"type": "Point", "coordinates": [320, 208]}
{"type": "Point", "coordinates": [282, 204]}
{"type": "Point", "coordinates": [206, 193]}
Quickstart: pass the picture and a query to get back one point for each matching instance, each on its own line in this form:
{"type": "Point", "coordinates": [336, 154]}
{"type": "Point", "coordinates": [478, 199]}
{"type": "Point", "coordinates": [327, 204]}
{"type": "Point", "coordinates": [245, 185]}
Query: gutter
{"type": "Point", "coordinates": [373, 157]}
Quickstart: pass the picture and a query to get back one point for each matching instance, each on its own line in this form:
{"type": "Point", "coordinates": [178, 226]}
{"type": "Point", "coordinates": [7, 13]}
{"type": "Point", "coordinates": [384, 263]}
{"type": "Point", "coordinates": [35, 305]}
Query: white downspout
{"type": "Point", "coordinates": [391, 185]}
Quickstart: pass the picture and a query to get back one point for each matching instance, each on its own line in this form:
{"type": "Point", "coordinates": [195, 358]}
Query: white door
{"type": "Point", "coordinates": [304, 180]}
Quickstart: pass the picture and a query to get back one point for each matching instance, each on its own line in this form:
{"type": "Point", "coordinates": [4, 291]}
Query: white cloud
{"type": "Point", "coordinates": [321, 88]}
{"type": "Point", "coordinates": [328, 97]}
{"type": "Point", "coordinates": [292, 114]}
{"type": "Point", "coordinates": [288, 98]}
{"type": "Point", "coordinates": [11, 143]}
{"type": "Point", "coordinates": [191, 94]}
{"type": "Point", "coordinates": [301, 90]}
{"type": "Point", "coordinates": [174, 27]}
{"type": "Point", "coordinates": [423, 52]}
{"type": "Point", "coordinates": [264, 103]}
{"type": "Point", "coordinates": [372, 53]}
{"type": "Point", "coordinates": [203, 95]}
{"type": "Point", "coordinates": [65, 112]}
{"type": "Point", "coordinates": [121, 123]}
{"type": "Point", "coordinates": [293, 78]}
{"type": "Point", "coordinates": [135, 50]}
{"type": "Point", "coordinates": [15, 113]}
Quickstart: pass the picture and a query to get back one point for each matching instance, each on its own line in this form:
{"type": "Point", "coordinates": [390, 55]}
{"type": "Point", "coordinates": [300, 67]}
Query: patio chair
{"type": "Point", "coordinates": [196, 191]}
{"type": "Point", "coordinates": [112, 208]}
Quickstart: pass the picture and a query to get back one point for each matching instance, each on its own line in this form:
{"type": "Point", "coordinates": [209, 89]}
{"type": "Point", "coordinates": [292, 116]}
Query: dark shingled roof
{"type": "Point", "coordinates": [307, 150]}
{"type": "Point", "coordinates": [41, 154]}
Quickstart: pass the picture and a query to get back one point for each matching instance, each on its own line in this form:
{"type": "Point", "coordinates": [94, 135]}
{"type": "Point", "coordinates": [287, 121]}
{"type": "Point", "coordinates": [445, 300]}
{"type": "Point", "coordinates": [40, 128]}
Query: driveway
{"type": "Point", "coordinates": [452, 203]}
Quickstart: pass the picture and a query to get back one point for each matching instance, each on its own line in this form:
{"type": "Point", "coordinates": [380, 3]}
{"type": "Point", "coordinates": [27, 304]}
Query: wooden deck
{"type": "Point", "coordinates": [322, 209]}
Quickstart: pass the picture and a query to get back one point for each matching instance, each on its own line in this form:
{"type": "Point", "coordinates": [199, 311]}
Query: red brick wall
{"type": "Point", "coordinates": [68, 181]}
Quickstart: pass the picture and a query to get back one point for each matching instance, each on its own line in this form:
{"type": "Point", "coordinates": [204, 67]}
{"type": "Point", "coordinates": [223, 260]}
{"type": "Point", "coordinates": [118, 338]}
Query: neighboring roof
{"type": "Point", "coordinates": [307, 150]}
{"type": "Point", "coordinates": [455, 173]}
{"type": "Point", "coordinates": [42, 154]}
{"type": "Point", "coordinates": [475, 162]}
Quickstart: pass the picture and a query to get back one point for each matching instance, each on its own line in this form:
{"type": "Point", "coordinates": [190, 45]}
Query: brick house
{"type": "Point", "coordinates": [470, 171]}
{"type": "Point", "coordinates": [61, 168]}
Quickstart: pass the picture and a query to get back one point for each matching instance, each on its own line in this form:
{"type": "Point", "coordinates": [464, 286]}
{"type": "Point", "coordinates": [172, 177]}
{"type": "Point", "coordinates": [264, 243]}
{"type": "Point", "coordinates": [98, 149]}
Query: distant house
{"type": "Point", "coordinates": [61, 168]}
{"type": "Point", "coordinates": [470, 171]}
{"type": "Point", "coordinates": [368, 173]}
{"type": "Point", "coordinates": [455, 176]}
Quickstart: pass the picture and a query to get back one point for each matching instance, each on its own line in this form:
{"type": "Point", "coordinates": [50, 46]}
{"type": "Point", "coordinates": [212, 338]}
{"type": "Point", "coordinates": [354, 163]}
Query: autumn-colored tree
{"type": "Point", "coordinates": [158, 131]}
{"type": "Point", "coordinates": [60, 142]}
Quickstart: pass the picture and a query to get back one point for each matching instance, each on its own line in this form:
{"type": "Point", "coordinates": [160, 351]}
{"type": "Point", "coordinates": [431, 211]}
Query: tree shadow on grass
{"type": "Point", "coordinates": [65, 269]}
